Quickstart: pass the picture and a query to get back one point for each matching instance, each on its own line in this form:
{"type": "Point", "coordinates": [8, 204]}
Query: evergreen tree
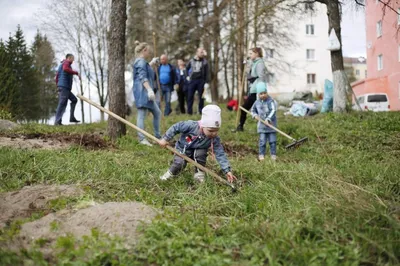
{"type": "Point", "coordinates": [8, 81]}
{"type": "Point", "coordinates": [25, 103]}
{"type": "Point", "coordinates": [44, 63]}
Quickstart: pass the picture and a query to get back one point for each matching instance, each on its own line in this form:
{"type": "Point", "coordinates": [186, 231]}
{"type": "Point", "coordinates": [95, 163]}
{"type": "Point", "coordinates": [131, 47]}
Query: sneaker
{"type": "Point", "coordinates": [58, 123]}
{"type": "Point", "coordinates": [199, 176]}
{"type": "Point", "coordinates": [261, 158]}
{"type": "Point", "coordinates": [166, 176]}
{"type": "Point", "coordinates": [146, 142]}
{"type": "Point", "coordinates": [273, 157]}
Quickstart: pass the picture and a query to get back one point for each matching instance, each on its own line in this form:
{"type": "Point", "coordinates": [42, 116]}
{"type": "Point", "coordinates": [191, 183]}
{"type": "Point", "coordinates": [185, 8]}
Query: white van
{"type": "Point", "coordinates": [377, 102]}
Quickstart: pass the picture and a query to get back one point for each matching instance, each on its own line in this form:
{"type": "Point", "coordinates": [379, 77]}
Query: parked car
{"type": "Point", "coordinates": [377, 102]}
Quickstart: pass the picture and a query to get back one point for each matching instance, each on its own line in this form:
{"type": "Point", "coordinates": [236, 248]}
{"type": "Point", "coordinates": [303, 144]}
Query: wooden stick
{"type": "Point", "coordinates": [175, 151]}
{"type": "Point", "coordinates": [156, 70]}
{"type": "Point", "coordinates": [269, 125]}
{"type": "Point", "coordinates": [240, 96]}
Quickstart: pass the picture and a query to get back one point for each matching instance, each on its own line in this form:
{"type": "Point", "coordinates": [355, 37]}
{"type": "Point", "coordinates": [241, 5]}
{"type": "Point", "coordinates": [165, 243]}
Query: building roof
{"type": "Point", "coordinates": [354, 60]}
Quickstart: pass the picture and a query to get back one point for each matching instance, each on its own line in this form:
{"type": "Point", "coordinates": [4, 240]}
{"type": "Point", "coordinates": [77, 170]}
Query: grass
{"type": "Point", "coordinates": [334, 201]}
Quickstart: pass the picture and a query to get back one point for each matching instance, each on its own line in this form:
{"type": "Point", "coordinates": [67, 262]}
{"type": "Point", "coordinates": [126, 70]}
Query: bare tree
{"type": "Point", "coordinates": [116, 65]}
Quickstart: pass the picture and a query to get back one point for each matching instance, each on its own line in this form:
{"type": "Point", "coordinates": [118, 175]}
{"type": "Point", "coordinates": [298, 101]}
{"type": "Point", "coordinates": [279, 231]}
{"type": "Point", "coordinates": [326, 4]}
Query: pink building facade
{"type": "Point", "coordinates": [383, 53]}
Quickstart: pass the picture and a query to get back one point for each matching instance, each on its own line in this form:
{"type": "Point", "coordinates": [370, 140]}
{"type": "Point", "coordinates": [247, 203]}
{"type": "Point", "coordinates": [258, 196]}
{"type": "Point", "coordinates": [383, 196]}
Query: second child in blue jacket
{"type": "Point", "coordinates": [265, 109]}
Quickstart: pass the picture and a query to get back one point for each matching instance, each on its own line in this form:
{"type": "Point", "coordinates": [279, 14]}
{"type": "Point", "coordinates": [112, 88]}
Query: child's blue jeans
{"type": "Point", "coordinates": [271, 138]}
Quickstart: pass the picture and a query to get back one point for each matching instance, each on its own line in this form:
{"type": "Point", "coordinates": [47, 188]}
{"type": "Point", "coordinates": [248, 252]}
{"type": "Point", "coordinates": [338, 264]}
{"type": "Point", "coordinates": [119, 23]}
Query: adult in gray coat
{"type": "Point", "coordinates": [258, 73]}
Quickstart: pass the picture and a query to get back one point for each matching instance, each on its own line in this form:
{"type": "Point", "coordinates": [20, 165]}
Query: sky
{"type": "Point", "coordinates": [24, 13]}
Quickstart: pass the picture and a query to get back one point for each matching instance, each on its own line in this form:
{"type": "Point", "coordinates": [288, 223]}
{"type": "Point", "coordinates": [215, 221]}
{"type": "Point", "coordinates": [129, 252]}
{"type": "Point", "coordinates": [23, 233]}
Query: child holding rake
{"type": "Point", "coordinates": [265, 108]}
{"type": "Point", "coordinates": [195, 140]}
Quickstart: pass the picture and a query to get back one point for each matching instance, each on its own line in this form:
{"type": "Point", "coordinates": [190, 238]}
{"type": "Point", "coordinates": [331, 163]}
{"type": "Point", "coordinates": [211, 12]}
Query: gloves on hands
{"type": "Point", "coordinates": [155, 60]}
{"type": "Point", "coordinates": [151, 95]}
{"type": "Point", "coordinates": [188, 78]}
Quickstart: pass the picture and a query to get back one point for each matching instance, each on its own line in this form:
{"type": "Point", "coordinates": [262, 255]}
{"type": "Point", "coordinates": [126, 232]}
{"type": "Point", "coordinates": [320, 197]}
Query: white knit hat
{"type": "Point", "coordinates": [211, 116]}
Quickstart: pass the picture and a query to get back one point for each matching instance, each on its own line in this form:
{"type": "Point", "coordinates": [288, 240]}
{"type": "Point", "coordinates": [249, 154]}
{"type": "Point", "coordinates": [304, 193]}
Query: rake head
{"type": "Point", "coordinates": [296, 143]}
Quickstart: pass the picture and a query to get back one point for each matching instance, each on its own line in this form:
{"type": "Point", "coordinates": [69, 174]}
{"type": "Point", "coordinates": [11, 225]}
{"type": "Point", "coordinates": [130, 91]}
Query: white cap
{"type": "Point", "coordinates": [211, 116]}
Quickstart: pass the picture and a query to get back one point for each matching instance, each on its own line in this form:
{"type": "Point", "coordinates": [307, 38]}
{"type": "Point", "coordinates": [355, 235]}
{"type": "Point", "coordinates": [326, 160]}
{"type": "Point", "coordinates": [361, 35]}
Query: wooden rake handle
{"type": "Point", "coordinates": [155, 67]}
{"type": "Point", "coordinates": [269, 125]}
{"type": "Point", "coordinates": [175, 151]}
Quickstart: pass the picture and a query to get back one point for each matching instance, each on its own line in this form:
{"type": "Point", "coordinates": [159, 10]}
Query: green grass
{"type": "Point", "coordinates": [334, 201]}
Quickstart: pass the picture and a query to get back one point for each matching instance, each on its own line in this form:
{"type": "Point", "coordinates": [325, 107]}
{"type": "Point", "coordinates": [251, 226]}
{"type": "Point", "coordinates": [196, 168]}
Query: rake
{"type": "Point", "coordinates": [294, 144]}
{"type": "Point", "coordinates": [175, 151]}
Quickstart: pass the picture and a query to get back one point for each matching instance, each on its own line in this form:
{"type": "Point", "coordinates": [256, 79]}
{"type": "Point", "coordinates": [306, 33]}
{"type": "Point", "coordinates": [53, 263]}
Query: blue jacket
{"type": "Point", "coordinates": [192, 137]}
{"type": "Point", "coordinates": [65, 75]}
{"type": "Point", "coordinates": [266, 110]}
{"type": "Point", "coordinates": [173, 79]}
{"type": "Point", "coordinates": [142, 72]}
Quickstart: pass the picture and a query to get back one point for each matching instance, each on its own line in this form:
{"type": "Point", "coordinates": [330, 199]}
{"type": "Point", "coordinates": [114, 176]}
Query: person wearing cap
{"type": "Point", "coordinates": [265, 108]}
{"type": "Point", "coordinates": [195, 140]}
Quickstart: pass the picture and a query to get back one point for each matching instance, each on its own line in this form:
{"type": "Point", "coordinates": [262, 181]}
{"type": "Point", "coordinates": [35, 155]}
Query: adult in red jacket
{"type": "Point", "coordinates": [64, 80]}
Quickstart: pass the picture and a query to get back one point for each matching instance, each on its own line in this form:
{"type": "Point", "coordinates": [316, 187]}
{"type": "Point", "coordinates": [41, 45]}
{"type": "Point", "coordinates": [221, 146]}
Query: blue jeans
{"type": "Point", "coordinates": [195, 85]}
{"type": "Point", "coordinates": [141, 116]}
{"type": "Point", "coordinates": [271, 137]}
{"type": "Point", "coordinates": [64, 95]}
{"type": "Point", "coordinates": [166, 94]}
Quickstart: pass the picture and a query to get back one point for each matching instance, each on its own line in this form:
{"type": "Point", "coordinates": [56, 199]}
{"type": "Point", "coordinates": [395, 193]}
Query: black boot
{"type": "Point", "coordinates": [74, 120]}
{"type": "Point", "coordinates": [239, 128]}
{"type": "Point", "coordinates": [58, 123]}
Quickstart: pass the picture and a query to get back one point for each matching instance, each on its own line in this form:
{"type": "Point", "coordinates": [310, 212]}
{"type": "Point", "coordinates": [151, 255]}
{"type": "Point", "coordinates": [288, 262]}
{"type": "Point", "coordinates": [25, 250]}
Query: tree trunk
{"type": "Point", "coordinates": [240, 43]}
{"type": "Point", "coordinates": [116, 66]}
{"type": "Point", "coordinates": [255, 36]}
{"type": "Point", "coordinates": [339, 76]}
{"type": "Point", "coordinates": [216, 34]}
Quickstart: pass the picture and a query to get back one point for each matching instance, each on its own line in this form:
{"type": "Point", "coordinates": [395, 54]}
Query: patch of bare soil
{"type": "Point", "coordinates": [54, 141]}
{"type": "Point", "coordinates": [112, 218]}
{"type": "Point", "coordinates": [238, 150]}
{"type": "Point", "coordinates": [22, 203]}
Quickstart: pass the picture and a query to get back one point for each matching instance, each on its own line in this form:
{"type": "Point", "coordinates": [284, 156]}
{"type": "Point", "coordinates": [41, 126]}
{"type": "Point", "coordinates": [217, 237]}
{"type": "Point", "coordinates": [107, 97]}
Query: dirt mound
{"type": "Point", "coordinates": [112, 218]}
{"type": "Point", "coordinates": [22, 203]}
{"type": "Point", "coordinates": [7, 125]}
{"type": "Point", "coordinates": [54, 141]}
{"type": "Point", "coordinates": [238, 150]}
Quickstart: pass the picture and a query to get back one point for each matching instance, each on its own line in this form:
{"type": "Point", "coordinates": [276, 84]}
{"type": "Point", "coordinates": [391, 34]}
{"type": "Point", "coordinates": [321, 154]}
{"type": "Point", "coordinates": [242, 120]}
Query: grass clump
{"type": "Point", "coordinates": [333, 201]}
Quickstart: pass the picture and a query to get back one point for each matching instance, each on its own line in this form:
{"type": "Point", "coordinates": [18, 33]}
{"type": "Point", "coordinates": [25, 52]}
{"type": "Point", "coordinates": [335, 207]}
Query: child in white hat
{"type": "Point", "coordinates": [195, 140]}
{"type": "Point", "coordinates": [265, 109]}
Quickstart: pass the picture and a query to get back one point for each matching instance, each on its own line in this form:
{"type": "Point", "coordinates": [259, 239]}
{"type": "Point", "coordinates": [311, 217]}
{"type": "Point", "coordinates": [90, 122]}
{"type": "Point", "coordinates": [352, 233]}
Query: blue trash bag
{"type": "Point", "coordinates": [327, 102]}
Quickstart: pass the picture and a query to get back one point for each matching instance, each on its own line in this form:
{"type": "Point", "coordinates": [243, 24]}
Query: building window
{"type": "Point", "coordinates": [379, 28]}
{"type": "Point", "coordinates": [310, 54]}
{"type": "Point", "coordinates": [310, 78]}
{"type": "Point", "coordinates": [269, 53]}
{"type": "Point", "coordinates": [269, 28]}
{"type": "Point", "coordinates": [310, 29]}
{"type": "Point", "coordinates": [398, 16]}
{"type": "Point", "coordinates": [309, 6]}
{"type": "Point", "coordinates": [399, 89]}
{"type": "Point", "coordinates": [357, 72]}
{"type": "Point", "coordinates": [380, 62]}
{"type": "Point", "coordinates": [270, 78]}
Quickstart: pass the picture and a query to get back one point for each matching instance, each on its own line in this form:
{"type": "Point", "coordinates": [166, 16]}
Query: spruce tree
{"type": "Point", "coordinates": [26, 99]}
{"type": "Point", "coordinates": [44, 64]}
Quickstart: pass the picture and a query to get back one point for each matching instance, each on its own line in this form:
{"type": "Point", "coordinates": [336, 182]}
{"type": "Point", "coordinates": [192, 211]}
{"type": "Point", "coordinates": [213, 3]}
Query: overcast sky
{"type": "Point", "coordinates": [22, 12]}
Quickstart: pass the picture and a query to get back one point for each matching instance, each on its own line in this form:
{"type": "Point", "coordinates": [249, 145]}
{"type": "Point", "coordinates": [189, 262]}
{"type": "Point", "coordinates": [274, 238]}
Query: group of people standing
{"type": "Point", "coordinates": [150, 86]}
{"type": "Point", "coordinates": [186, 79]}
